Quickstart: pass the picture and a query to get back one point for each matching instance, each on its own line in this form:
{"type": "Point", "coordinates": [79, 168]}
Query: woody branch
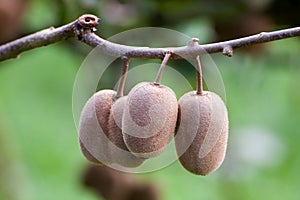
{"type": "Point", "coordinates": [84, 29]}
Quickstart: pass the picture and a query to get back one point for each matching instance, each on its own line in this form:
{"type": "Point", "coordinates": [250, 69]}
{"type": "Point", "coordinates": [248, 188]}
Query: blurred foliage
{"type": "Point", "coordinates": [36, 104]}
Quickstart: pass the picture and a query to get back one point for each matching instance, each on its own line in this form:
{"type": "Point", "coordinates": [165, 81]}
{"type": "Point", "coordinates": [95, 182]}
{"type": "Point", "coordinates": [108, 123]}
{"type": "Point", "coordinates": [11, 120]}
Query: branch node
{"type": "Point", "coordinates": [193, 42]}
{"type": "Point", "coordinates": [85, 24]}
{"type": "Point", "coordinates": [228, 51]}
{"type": "Point", "coordinates": [124, 58]}
{"type": "Point", "coordinates": [88, 21]}
{"type": "Point", "coordinates": [261, 35]}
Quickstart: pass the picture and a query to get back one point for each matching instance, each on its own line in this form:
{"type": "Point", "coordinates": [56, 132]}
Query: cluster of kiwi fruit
{"type": "Point", "coordinates": [127, 130]}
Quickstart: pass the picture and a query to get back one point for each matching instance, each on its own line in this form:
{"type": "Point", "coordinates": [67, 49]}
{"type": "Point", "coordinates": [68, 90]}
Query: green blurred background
{"type": "Point", "coordinates": [39, 152]}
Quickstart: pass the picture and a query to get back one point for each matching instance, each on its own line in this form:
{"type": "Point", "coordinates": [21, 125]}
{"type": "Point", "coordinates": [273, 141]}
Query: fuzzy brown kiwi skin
{"type": "Point", "coordinates": [120, 153]}
{"type": "Point", "coordinates": [88, 155]}
{"type": "Point", "coordinates": [188, 149]}
{"type": "Point", "coordinates": [93, 127]}
{"type": "Point", "coordinates": [136, 114]}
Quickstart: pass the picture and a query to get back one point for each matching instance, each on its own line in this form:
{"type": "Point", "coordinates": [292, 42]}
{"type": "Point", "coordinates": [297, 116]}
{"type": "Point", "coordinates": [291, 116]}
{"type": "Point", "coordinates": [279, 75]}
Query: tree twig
{"type": "Point", "coordinates": [84, 28]}
{"type": "Point", "coordinates": [84, 24]}
{"type": "Point", "coordinates": [38, 39]}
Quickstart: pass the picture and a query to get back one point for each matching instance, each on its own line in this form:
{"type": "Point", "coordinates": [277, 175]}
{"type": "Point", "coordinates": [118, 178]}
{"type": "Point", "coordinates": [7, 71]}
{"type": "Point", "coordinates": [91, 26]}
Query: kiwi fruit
{"type": "Point", "coordinates": [201, 132]}
{"type": "Point", "coordinates": [87, 154]}
{"type": "Point", "coordinates": [120, 153]}
{"type": "Point", "coordinates": [149, 119]}
{"type": "Point", "coordinates": [93, 127]}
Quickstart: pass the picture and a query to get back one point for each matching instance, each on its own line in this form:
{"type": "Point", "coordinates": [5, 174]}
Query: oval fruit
{"type": "Point", "coordinates": [149, 119]}
{"type": "Point", "coordinates": [202, 132]}
{"type": "Point", "coordinates": [120, 153]}
{"type": "Point", "coordinates": [93, 127]}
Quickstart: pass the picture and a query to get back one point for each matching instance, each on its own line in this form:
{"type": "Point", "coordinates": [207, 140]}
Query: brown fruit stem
{"type": "Point", "coordinates": [120, 90]}
{"type": "Point", "coordinates": [199, 76]}
{"type": "Point", "coordinates": [162, 67]}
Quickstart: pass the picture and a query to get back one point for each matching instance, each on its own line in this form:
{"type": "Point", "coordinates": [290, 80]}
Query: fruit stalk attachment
{"type": "Point", "coordinates": [162, 67]}
{"type": "Point", "coordinates": [199, 76]}
{"type": "Point", "coordinates": [120, 90]}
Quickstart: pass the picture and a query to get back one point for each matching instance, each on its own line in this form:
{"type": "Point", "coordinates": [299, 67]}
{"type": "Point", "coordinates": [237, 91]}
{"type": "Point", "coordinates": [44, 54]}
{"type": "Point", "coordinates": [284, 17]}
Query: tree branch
{"type": "Point", "coordinates": [84, 28]}
{"type": "Point", "coordinates": [41, 38]}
